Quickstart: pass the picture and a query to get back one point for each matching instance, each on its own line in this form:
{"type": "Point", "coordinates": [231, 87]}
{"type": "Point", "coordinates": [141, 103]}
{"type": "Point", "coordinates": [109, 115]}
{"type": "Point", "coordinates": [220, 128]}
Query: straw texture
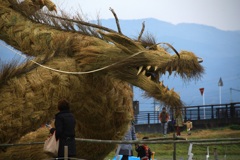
{"type": "Point", "coordinates": [91, 66]}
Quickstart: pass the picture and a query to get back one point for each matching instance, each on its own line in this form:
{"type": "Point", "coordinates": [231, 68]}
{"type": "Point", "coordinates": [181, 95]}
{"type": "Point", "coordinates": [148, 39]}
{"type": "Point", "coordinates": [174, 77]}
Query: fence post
{"type": "Point", "coordinates": [148, 118]}
{"type": "Point", "coordinates": [174, 147]}
{"type": "Point", "coordinates": [212, 112]}
{"type": "Point", "coordinates": [215, 154]}
{"type": "Point", "coordinates": [232, 111]}
{"type": "Point", "coordinates": [198, 108]}
{"type": "Point", "coordinates": [65, 152]}
{"type": "Point", "coordinates": [218, 113]}
{"type": "Point", "coordinates": [226, 113]}
{"type": "Point", "coordinates": [190, 115]}
{"type": "Point", "coordinates": [185, 112]}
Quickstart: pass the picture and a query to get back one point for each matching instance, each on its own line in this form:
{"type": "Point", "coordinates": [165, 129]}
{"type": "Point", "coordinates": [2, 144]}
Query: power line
{"type": "Point", "coordinates": [232, 89]}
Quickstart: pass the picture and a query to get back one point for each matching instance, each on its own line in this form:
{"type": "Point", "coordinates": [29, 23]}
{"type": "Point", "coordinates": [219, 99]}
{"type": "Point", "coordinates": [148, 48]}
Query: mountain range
{"type": "Point", "coordinates": [219, 49]}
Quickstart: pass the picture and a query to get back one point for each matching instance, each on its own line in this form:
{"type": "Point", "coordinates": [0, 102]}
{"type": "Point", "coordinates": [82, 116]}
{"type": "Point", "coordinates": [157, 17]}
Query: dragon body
{"type": "Point", "coordinates": [93, 69]}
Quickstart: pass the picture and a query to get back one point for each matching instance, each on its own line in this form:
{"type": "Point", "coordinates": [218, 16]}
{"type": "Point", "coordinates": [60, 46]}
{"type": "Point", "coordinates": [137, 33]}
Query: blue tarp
{"type": "Point", "coordinates": [130, 158]}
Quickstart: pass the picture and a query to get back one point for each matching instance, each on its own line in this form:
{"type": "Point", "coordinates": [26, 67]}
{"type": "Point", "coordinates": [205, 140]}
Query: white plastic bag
{"type": "Point", "coordinates": [51, 145]}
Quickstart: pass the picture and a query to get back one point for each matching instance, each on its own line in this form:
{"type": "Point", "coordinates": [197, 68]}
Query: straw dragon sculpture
{"type": "Point", "coordinates": [94, 68]}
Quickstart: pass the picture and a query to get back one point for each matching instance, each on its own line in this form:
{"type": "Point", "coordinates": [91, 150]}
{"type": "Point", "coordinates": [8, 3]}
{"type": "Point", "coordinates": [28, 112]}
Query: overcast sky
{"type": "Point", "coordinates": [222, 14]}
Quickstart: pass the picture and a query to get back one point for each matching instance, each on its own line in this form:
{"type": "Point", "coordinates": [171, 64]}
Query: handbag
{"type": "Point", "coordinates": [51, 145]}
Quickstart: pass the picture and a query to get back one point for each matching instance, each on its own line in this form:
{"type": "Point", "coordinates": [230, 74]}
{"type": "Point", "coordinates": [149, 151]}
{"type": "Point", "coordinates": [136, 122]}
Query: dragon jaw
{"type": "Point", "coordinates": [144, 67]}
{"type": "Point", "coordinates": [147, 76]}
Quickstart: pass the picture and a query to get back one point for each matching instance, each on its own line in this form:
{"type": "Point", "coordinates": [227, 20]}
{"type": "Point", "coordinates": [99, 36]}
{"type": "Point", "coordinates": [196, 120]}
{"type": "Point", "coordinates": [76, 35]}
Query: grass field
{"type": "Point", "coordinates": [224, 152]}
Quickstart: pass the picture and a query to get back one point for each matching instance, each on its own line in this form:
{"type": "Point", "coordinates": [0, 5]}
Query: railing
{"type": "Point", "coordinates": [201, 112]}
{"type": "Point", "coordinates": [158, 141]}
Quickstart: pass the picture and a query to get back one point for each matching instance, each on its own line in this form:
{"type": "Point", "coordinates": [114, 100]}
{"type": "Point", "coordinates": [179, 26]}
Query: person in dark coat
{"type": "Point", "coordinates": [65, 129]}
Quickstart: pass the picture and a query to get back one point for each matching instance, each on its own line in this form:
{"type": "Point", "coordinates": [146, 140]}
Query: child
{"type": "Point", "coordinates": [144, 152]}
{"type": "Point", "coordinates": [178, 121]}
{"type": "Point", "coordinates": [189, 127]}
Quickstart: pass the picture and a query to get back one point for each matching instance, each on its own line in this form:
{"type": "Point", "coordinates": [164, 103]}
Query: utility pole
{"type": "Point", "coordinates": [220, 84]}
{"type": "Point", "coordinates": [202, 93]}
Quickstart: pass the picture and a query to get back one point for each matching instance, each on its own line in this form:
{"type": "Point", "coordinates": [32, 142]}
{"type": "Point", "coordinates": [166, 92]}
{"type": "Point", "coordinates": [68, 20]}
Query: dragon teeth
{"type": "Point", "coordinates": [139, 70]}
{"type": "Point", "coordinates": [148, 67]}
{"type": "Point", "coordinates": [161, 83]}
{"type": "Point", "coordinates": [165, 89]}
{"type": "Point", "coordinates": [177, 69]}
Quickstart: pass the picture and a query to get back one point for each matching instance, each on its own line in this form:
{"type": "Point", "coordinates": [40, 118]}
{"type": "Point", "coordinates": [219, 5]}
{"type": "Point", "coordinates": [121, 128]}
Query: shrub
{"type": "Point", "coordinates": [235, 127]}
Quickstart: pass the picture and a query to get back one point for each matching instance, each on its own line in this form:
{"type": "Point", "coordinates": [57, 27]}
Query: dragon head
{"type": "Point", "coordinates": [142, 63]}
{"type": "Point", "coordinates": [146, 62]}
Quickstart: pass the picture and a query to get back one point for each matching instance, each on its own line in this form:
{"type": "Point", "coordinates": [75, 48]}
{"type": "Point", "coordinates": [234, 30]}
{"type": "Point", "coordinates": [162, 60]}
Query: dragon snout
{"type": "Point", "coordinates": [200, 60]}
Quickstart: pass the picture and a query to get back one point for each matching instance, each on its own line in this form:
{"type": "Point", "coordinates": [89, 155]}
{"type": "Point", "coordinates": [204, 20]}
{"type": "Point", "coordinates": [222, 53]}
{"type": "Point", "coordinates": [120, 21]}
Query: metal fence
{"type": "Point", "coordinates": [201, 112]}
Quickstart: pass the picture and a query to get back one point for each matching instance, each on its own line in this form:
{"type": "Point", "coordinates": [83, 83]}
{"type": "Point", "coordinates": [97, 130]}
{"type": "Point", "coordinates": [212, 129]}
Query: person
{"type": "Point", "coordinates": [65, 129]}
{"type": "Point", "coordinates": [126, 149]}
{"type": "Point", "coordinates": [189, 127]}
{"type": "Point", "coordinates": [144, 151]}
{"type": "Point", "coordinates": [178, 121]}
{"type": "Point", "coordinates": [164, 117]}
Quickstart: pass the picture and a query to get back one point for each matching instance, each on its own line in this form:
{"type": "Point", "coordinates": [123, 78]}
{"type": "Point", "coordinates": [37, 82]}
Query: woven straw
{"type": "Point", "coordinates": [100, 101]}
{"type": "Point", "coordinates": [30, 100]}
